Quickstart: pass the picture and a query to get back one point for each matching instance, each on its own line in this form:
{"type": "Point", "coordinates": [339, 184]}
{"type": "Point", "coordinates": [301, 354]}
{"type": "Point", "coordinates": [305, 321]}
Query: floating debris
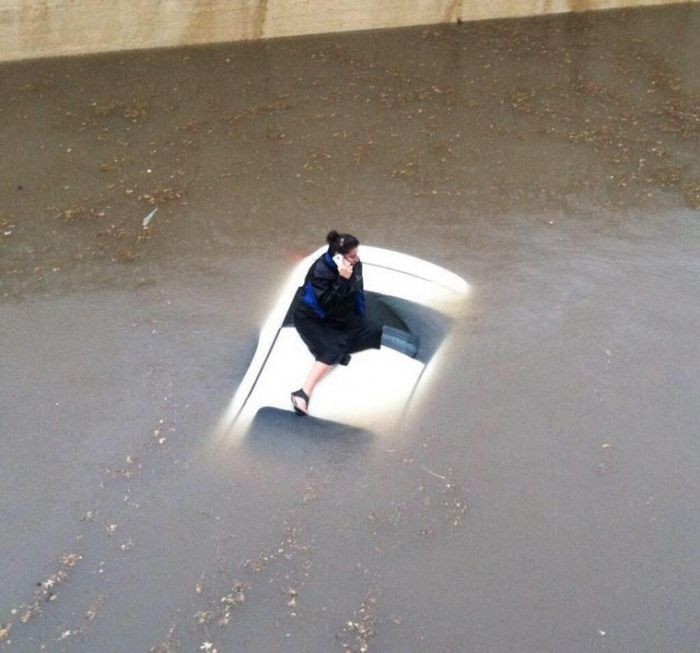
{"type": "Point", "coordinates": [161, 195]}
{"type": "Point", "coordinates": [358, 632]}
{"type": "Point", "coordinates": [230, 601]}
{"type": "Point", "coordinates": [6, 225]}
{"type": "Point", "coordinates": [292, 597]}
{"type": "Point", "coordinates": [169, 644]}
{"type": "Point", "coordinates": [45, 592]}
{"type": "Point", "coordinates": [148, 218]}
{"type": "Point", "coordinates": [70, 559]}
{"type": "Point", "coordinates": [80, 213]}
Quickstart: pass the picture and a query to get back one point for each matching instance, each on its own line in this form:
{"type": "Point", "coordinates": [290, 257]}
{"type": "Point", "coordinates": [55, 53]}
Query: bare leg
{"type": "Point", "coordinates": [318, 371]}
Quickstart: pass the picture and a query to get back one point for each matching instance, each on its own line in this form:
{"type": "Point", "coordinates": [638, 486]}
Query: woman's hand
{"type": "Point", "coordinates": [345, 269]}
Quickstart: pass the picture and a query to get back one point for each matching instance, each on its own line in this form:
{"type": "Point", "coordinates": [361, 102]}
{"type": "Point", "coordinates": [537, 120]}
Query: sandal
{"type": "Point", "coordinates": [300, 394]}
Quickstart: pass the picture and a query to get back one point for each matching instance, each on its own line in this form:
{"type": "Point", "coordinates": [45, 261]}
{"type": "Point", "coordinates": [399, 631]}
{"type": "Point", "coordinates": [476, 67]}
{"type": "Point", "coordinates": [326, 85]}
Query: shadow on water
{"type": "Point", "coordinates": [283, 435]}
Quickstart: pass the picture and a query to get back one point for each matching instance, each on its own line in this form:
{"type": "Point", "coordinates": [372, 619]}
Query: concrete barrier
{"type": "Point", "coordinates": [43, 28]}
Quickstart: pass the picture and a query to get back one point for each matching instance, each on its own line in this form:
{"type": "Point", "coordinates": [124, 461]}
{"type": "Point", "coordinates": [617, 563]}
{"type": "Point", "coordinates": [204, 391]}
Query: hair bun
{"type": "Point", "coordinates": [332, 236]}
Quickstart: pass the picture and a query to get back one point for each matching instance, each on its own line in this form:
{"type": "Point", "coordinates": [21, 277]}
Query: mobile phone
{"type": "Point", "coordinates": [338, 259]}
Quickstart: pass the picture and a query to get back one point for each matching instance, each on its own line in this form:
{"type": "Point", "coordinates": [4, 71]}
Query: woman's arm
{"type": "Point", "coordinates": [330, 291]}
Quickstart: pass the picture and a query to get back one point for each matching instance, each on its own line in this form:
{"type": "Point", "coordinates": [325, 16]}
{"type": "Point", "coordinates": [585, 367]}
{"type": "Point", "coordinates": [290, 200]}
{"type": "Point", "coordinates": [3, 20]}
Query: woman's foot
{"type": "Point", "coordinates": [300, 402]}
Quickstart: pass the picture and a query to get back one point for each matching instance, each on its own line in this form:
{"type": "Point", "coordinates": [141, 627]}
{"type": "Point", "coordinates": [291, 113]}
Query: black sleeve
{"type": "Point", "coordinates": [329, 287]}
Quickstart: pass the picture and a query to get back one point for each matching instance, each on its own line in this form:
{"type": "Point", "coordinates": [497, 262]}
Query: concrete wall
{"type": "Point", "coordinates": [40, 28]}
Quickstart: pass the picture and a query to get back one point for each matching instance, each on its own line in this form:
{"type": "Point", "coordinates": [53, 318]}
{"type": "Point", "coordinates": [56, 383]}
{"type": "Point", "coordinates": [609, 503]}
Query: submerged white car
{"type": "Point", "coordinates": [374, 391]}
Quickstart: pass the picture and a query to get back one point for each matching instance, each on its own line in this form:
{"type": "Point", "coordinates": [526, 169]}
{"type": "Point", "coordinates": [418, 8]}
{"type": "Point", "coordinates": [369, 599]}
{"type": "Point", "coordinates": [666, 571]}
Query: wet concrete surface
{"type": "Point", "coordinates": [545, 499]}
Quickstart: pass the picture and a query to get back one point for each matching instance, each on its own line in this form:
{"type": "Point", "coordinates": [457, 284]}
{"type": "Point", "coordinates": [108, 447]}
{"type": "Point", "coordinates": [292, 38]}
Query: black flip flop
{"type": "Point", "coordinates": [300, 394]}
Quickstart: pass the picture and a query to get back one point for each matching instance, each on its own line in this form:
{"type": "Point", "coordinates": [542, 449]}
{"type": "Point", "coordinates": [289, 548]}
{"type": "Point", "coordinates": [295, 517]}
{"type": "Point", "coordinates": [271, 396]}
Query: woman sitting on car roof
{"type": "Point", "coordinates": [331, 317]}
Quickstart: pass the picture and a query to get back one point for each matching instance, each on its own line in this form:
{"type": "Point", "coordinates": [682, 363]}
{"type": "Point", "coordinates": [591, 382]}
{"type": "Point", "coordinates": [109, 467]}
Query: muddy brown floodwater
{"type": "Point", "coordinates": [546, 498]}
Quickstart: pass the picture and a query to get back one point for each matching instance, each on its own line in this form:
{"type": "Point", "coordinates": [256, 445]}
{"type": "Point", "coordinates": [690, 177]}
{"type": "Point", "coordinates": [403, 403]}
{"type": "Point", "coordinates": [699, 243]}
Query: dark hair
{"type": "Point", "coordinates": [342, 243]}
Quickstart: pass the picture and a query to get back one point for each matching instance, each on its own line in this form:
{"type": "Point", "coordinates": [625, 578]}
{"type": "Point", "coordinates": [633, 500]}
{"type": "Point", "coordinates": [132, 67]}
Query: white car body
{"type": "Point", "coordinates": [377, 386]}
